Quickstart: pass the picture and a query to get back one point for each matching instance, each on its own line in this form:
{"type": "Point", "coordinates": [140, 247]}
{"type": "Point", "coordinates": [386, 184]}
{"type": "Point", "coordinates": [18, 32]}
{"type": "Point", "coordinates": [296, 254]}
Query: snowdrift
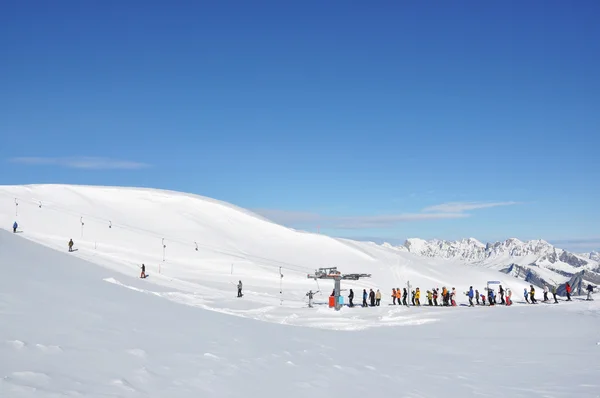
{"type": "Point", "coordinates": [199, 248]}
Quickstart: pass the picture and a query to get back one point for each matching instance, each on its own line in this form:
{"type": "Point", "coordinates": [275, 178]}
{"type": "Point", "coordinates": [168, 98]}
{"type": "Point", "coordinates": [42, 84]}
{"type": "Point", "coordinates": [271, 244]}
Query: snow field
{"type": "Point", "coordinates": [125, 227]}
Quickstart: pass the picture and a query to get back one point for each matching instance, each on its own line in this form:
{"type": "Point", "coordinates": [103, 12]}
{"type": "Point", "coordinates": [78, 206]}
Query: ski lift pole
{"type": "Point", "coordinates": [16, 207]}
{"type": "Point", "coordinates": [164, 247]}
{"type": "Point", "coordinates": [82, 224]}
{"type": "Point", "coordinates": [280, 287]}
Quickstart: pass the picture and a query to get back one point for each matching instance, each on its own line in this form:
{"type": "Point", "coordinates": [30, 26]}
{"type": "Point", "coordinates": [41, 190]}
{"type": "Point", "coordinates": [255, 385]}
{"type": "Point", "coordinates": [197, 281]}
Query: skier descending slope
{"type": "Point", "coordinates": [239, 287]}
{"type": "Point", "coordinates": [71, 245]}
{"type": "Point", "coordinates": [143, 274]}
{"type": "Point", "coordinates": [15, 226]}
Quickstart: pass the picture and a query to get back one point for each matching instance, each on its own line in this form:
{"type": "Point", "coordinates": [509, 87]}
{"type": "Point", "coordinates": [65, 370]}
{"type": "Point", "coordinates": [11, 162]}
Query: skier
{"type": "Point", "coordinates": [435, 297]}
{"type": "Point", "coordinates": [372, 297]}
{"type": "Point", "coordinates": [404, 297]}
{"type": "Point", "coordinates": [398, 295]}
{"type": "Point", "coordinates": [554, 288]}
{"type": "Point", "coordinates": [310, 295]}
{"type": "Point", "coordinates": [350, 298]}
{"type": "Point", "coordinates": [526, 295]}
{"type": "Point", "coordinates": [477, 295]}
{"type": "Point", "coordinates": [453, 297]}
{"type": "Point", "coordinates": [471, 294]}
{"type": "Point", "coordinates": [491, 297]}
{"type": "Point", "coordinates": [430, 298]}
{"type": "Point", "coordinates": [15, 225]}
{"type": "Point", "coordinates": [394, 296]}
{"type": "Point", "coordinates": [143, 274]}
{"type": "Point", "coordinates": [590, 290]}
{"type": "Point", "coordinates": [445, 295]}
{"type": "Point", "coordinates": [501, 291]}
{"type": "Point", "coordinates": [239, 286]}
{"type": "Point", "coordinates": [412, 297]}
{"type": "Point", "coordinates": [568, 289]}
{"type": "Point", "coordinates": [71, 245]}
{"type": "Point", "coordinates": [364, 304]}
{"type": "Point", "coordinates": [532, 295]}
{"type": "Point", "coordinates": [545, 293]}
{"type": "Point", "coordinates": [508, 297]}
{"type": "Point", "coordinates": [378, 298]}
{"type": "Point", "coordinates": [483, 299]}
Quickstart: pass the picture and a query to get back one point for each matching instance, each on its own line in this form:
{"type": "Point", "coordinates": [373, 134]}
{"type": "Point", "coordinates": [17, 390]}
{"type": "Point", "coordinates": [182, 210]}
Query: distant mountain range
{"type": "Point", "coordinates": [535, 261]}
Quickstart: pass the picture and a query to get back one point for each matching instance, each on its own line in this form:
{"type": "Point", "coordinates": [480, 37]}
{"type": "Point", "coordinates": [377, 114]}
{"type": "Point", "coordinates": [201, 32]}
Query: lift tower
{"type": "Point", "coordinates": [337, 276]}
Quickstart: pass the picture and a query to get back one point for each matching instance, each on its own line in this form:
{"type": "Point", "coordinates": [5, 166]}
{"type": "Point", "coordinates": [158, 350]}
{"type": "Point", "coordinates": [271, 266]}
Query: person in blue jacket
{"type": "Point", "coordinates": [364, 303]}
{"type": "Point", "coordinates": [15, 225]}
{"type": "Point", "coordinates": [471, 295]}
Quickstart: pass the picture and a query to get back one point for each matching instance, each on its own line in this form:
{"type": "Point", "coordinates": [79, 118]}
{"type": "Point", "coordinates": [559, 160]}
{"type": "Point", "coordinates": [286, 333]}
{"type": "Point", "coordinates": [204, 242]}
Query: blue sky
{"type": "Point", "coordinates": [384, 119]}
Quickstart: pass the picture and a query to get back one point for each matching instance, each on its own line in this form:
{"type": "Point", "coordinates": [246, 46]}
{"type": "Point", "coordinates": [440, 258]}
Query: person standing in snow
{"type": "Point", "coordinates": [404, 297]}
{"type": "Point", "coordinates": [491, 297]}
{"type": "Point", "coordinates": [239, 287]}
{"type": "Point", "coordinates": [501, 292]}
{"type": "Point", "coordinates": [508, 297]}
{"type": "Point", "coordinates": [453, 297]}
{"type": "Point", "coordinates": [554, 288]}
{"type": "Point", "coordinates": [435, 296]}
{"type": "Point", "coordinates": [71, 245]}
{"type": "Point", "coordinates": [143, 274]}
{"type": "Point", "coordinates": [526, 294]}
{"type": "Point", "coordinates": [394, 296]}
{"type": "Point", "coordinates": [590, 290]}
{"type": "Point", "coordinates": [378, 298]}
{"type": "Point", "coordinates": [364, 304]}
{"type": "Point", "coordinates": [398, 295]}
{"type": "Point", "coordinates": [350, 298]}
{"type": "Point", "coordinates": [545, 293]}
{"type": "Point", "coordinates": [418, 297]}
{"type": "Point", "coordinates": [471, 294]}
{"type": "Point", "coordinates": [532, 293]}
{"type": "Point", "coordinates": [372, 297]}
{"type": "Point", "coordinates": [430, 298]}
{"type": "Point", "coordinates": [477, 296]}
{"type": "Point", "coordinates": [568, 289]}
{"type": "Point", "coordinates": [15, 226]}
{"type": "Point", "coordinates": [310, 295]}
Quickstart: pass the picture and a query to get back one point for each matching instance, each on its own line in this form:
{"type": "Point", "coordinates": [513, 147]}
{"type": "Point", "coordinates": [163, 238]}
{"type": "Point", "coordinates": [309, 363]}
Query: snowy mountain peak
{"type": "Point", "coordinates": [473, 250]}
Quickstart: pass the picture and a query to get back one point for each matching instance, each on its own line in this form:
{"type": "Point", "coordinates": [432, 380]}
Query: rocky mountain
{"type": "Point", "coordinates": [535, 261]}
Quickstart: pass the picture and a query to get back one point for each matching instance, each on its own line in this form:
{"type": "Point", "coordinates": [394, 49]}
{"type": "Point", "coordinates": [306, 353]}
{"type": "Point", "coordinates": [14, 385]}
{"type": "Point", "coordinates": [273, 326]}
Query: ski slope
{"type": "Point", "coordinates": [211, 245]}
{"type": "Point", "coordinates": [65, 331]}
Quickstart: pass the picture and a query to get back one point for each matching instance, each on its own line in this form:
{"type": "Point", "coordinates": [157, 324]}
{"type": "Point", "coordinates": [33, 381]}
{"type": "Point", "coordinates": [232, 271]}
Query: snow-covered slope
{"type": "Point", "coordinates": [535, 261]}
{"type": "Point", "coordinates": [211, 245]}
{"type": "Point", "coordinates": [70, 328]}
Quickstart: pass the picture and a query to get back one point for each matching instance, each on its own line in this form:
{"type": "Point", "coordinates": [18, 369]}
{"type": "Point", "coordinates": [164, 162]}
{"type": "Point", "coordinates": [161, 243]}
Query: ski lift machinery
{"type": "Point", "coordinates": [337, 276]}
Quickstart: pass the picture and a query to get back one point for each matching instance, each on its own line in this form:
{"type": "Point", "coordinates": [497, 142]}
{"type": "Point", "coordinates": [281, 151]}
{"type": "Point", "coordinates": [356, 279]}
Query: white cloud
{"type": "Point", "coordinates": [443, 211]}
{"type": "Point", "coordinates": [459, 207]}
{"type": "Point", "coordinates": [82, 162]}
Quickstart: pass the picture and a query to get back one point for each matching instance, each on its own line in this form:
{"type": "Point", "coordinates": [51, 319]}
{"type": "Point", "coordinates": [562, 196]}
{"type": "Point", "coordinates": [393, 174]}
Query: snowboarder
{"type": "Point", "coordinates": [239, 286]}
{"type": "Point", "coordinates": [471, 294]}
{"type": "Point", "coordinates": [15, 226]}
{"type": "Point", "coordinates": [394, 296]}
{"type": "Point", "coordinates": [532, 294]}
{"type": "Point", "coordinates": [310, 295]}
{"type": "Point", "coordinates": [526, 294]}
{"type": "Point", "coordinates": [554, 288]}
{"type": "Point", "coordinates": [364, 304]}
{"type": "Point", "coordinates": [71, 245]}
{"type": "Point", "coordinates": [545, 293]}
{"type": "Point", "coordinates": [568, 289]}
{"type": "Point", "coordinates": [143, 274]}
{"type": "Point", "coordinates": [378, 298]}
{"type": "Point", "coordinates": [590, 290]}
{"type": "Point", "coordinates": [404, 297]}
{"type": "Point", "coordinates": [501, 292]}
{"type": "Point", "coordinates": [350, 298]}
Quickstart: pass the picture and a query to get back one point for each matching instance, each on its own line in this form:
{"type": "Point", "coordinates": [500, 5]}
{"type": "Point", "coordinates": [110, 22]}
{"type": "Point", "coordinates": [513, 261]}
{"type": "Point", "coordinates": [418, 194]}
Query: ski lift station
{"type": "Point", "coordinates": [332, 273]}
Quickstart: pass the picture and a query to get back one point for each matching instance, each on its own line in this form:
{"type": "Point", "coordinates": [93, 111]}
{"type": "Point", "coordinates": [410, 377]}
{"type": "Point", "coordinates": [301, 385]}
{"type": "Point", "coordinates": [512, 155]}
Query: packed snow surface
{"type": "Point", "coordinates": [70, 328]}
{"type": "Point", "coordinates": [196, 250]}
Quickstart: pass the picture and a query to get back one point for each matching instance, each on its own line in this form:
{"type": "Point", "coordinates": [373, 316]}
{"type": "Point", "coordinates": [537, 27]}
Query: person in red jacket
{"type": "Point", "coordinates": [568, 289]}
